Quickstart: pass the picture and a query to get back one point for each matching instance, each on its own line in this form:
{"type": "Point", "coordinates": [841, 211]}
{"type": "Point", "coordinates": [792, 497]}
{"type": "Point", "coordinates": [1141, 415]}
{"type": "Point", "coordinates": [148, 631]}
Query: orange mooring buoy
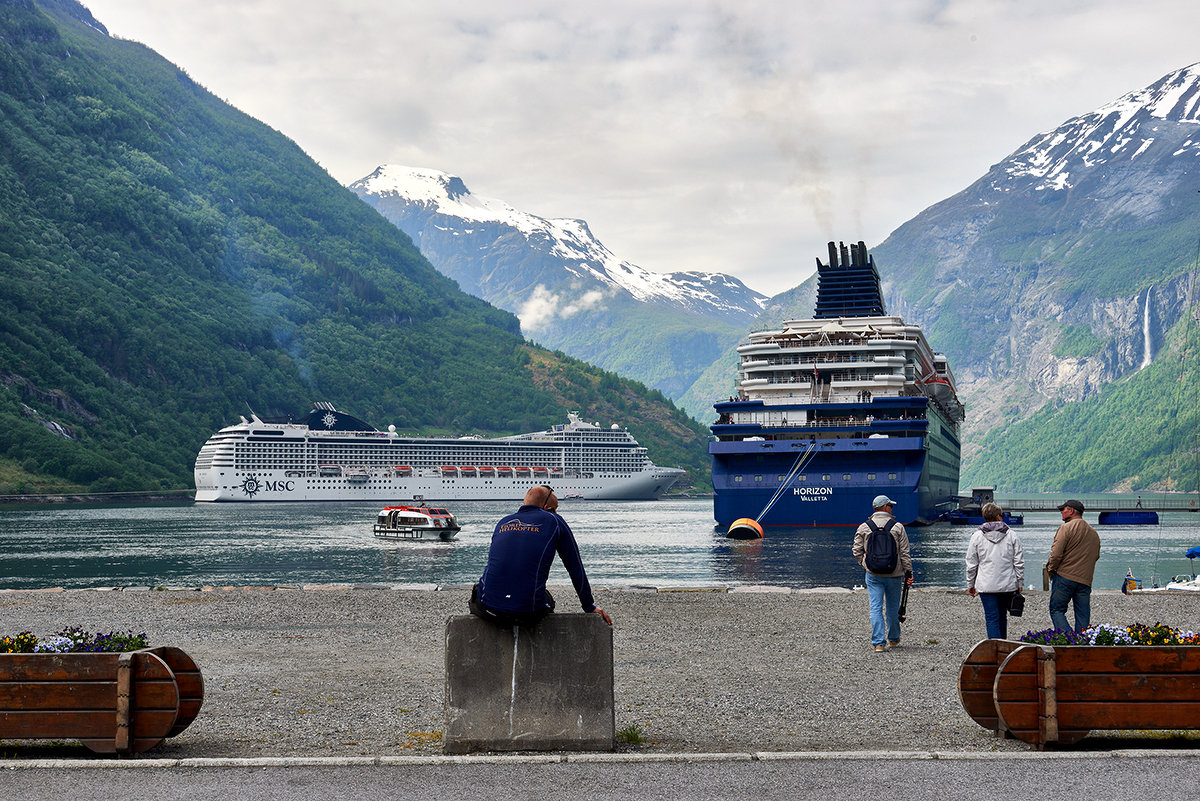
{"type": "Point", "coordinates": [744, 529]}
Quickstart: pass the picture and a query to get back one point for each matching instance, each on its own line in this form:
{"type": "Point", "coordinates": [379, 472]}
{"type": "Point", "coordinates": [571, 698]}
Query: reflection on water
{"type": "Point", "coordinates": [664, 543]}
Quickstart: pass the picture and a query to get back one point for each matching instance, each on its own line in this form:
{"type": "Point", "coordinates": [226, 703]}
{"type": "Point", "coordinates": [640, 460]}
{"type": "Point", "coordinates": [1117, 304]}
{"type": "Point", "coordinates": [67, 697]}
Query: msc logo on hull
{"type": "Point", "coordinates": [252, 485]}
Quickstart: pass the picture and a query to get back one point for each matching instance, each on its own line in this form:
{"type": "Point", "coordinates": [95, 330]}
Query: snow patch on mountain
{"type": "Point", "coordinates": [570, 240]}
{"type": "Point", "coordinates": [1124, 129]}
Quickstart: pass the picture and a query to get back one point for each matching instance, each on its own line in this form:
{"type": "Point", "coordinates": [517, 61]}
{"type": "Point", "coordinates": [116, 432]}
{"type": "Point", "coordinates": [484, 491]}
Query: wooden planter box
{"type": "Point", "coordinates": [1057, 694]}
{"type": "Point", "coordinates": [120, 703]}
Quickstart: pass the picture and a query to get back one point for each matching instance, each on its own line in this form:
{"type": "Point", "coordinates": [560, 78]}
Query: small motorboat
{"type": "Point", "coordinates": [416, 523]}
{"type": "Point", "coordinates": [968, 517]}
{"type": "Point", "coordinates": [1131, 584]}
{"type": "Point", "coordinates": [970, 513]}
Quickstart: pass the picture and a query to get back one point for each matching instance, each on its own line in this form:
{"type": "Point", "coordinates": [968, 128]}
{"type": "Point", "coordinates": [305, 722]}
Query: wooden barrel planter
{"type": "Point", "coordinates": [114, 703]}
{"type": "Point", "coordinates": [1045, 694]}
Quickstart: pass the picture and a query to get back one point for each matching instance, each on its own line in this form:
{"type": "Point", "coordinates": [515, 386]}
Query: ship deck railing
{"type": "Point", "coordinates": [836, 422]}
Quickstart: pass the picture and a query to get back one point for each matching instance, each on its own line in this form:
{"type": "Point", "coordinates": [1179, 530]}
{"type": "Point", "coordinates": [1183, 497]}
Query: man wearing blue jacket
{"type": "Point", "coordinates": [512, 591]}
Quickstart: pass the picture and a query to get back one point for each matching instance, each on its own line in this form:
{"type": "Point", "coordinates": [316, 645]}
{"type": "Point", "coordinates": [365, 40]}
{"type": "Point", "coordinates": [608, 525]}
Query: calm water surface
{"type": "Point", "coordinates": [663, 543]}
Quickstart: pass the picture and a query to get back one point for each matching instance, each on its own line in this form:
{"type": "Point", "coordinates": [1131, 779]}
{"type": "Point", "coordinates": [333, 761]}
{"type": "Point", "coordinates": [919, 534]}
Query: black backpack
{"type": "Point", "coordinates": [881, 548]}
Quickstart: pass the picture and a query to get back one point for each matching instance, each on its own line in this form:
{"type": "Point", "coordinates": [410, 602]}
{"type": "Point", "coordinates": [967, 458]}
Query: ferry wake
{"type": "Point", "coordinates": [834, 410]}
{"type": "Point", "coordinates": [333, 456]}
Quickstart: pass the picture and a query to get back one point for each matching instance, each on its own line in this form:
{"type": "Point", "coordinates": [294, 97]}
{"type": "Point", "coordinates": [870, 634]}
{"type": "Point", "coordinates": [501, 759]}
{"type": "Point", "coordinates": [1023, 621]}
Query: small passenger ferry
{"type": "Point", "coordinates": [416, 523]}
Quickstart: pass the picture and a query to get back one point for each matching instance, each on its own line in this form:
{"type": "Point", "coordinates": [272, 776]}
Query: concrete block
{"type": "Point", "coordinates": [547, 687]}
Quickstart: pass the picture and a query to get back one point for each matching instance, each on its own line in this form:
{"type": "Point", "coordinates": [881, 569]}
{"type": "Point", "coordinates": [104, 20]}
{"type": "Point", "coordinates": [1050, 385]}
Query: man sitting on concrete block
{"type": "Point", "coordinates": [512, 591]}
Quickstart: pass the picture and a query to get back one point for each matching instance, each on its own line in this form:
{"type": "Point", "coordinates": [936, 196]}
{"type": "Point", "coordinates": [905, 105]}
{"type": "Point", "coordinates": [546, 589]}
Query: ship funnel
{"type": "Point", "coordinates": [849, 285]}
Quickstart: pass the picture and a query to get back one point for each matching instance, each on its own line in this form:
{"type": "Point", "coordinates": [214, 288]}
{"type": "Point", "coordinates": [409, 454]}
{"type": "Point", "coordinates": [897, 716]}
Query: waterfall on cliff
{"type": "Point", "coordinates": [1146, 332]}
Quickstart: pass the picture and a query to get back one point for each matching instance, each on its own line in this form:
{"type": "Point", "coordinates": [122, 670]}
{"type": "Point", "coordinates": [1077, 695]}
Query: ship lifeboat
{"type": "Point", "coordinates": [942, 391]}
{"type": "Point", "coordinates": [744, 528]}
{"type": "Point", "coordinates": [416, 523]}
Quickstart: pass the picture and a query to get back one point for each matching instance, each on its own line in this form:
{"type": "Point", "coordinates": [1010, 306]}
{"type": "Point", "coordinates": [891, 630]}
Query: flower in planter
{"type": "Point", "coordinates": [73, 640]}
{"type": "Point", "coordinates": [1055, 637]}
{"type": "Point", "coordinates": [1102, 634]}
{"type": "Point", "coordinates": [23, 643]}
{"type": "Point", "coordinates": [53, 645]}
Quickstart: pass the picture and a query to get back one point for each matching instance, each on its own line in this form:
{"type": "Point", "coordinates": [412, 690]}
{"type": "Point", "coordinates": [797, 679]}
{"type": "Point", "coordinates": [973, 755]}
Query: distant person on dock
{"type": "Point", "coordinates": [995, 569]}
{"type": "Point", "coordinates": [512, 591]}
{"type": "Point", "coordinates": [884, 584]}
{"type": "Point", "coordinates": [1072, 563]}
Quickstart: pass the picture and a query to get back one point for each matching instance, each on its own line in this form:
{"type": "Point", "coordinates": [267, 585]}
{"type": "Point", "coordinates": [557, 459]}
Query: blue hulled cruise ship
{"type": "Point", "coordinates": [837, 409]}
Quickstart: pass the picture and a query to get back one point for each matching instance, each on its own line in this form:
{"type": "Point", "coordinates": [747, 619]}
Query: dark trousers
{"type": "Point", "coordinates": [995, 613]}
{"type": "Point", "coordinates": [508, 618]}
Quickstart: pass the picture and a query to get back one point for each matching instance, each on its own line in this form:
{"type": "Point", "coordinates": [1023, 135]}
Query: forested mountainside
{"type": "Point", "coordinates": [168, 263]}
{"type": "Point", "coordinates": [570, 292]}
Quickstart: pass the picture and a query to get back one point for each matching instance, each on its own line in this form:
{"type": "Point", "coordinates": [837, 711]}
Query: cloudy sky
{"type": "Point", "coordinates": [734, 137]}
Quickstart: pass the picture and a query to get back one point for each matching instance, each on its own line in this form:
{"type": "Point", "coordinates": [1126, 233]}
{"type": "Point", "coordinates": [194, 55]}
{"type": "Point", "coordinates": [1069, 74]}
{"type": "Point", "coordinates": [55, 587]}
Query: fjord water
{"type": "Point", "coordinates": [671, 542]}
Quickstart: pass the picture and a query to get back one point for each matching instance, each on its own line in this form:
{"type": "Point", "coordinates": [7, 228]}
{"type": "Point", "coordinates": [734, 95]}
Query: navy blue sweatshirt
{"type": "Point", "coordinates": [523, 548]}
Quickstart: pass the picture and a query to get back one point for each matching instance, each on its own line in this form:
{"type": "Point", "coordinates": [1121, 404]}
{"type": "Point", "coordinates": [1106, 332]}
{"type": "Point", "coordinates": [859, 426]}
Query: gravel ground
{"type": "Point", "coordinates": [359, 671]}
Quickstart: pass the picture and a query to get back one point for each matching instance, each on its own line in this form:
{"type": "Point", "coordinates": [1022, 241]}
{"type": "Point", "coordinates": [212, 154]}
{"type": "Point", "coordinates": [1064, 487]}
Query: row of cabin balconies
{"type": "Point", "coordinates": [883, 360]}
{"type": "Point", "coordinates": [840, 391]}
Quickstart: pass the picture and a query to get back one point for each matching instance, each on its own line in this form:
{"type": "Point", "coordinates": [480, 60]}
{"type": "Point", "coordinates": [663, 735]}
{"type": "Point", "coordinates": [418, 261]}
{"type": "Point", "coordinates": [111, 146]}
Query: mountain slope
{"type": "Point", "coordinates": [718, 380]}
{"type": "Point", "coordinates": [1057, 275]}
{"type": "Point", "coordinates": [570, 292]}
{"type": "Point", "coordinates": [168, 263]}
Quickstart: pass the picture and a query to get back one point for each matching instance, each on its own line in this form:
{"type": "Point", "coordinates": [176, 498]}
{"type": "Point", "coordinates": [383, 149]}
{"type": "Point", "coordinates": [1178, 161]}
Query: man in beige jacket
{"type": "Point", "coordinates": [1072, 562]}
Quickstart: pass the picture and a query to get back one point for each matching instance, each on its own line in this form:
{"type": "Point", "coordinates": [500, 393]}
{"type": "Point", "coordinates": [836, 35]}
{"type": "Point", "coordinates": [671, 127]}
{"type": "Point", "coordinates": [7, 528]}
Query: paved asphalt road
{"type": "Point", "coordinates": [1010, 776]}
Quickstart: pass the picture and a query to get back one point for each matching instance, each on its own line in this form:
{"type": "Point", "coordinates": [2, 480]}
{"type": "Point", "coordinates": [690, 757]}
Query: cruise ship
{"type": "Point", "coordinates": [333, 456]}
{"type": "Point", "coordinates": [835, 410]}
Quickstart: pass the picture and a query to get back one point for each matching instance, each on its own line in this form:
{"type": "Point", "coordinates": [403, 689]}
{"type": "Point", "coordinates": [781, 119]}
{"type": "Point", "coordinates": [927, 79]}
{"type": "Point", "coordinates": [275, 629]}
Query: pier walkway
{"type": "Point", "coordinates": [1152, 502]}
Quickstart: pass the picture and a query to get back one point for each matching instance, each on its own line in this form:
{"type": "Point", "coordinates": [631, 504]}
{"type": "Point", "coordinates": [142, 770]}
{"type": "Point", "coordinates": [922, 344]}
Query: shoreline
{"type": "Point", "coordinates": [340, 672]}
{"type": "Point", "coordinates": [156, 498]}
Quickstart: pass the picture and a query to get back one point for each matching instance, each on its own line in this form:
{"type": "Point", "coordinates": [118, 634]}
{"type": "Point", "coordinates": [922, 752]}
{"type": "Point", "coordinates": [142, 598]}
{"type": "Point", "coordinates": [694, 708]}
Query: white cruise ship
{"type": "Point", "coordinates": [333, 456]}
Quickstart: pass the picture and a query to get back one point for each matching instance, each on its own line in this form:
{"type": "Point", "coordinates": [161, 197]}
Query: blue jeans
{"type": "Point", "coordinates": [995, 613]}
{"type": "Point", "coordinates": [1062, 592]}
{"type": "Point", "coordinates": [884, 592]}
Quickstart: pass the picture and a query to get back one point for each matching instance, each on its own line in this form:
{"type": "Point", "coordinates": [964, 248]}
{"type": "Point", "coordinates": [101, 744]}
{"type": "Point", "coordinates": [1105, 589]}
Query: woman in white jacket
{"type": "Point", "coordinates": [995, 569]}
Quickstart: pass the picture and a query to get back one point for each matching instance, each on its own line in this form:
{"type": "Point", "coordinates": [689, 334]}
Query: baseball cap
{"type": "Point", "coordinates": [881, 501]}
{"type": "Point", "coordinates": [1076, 505]}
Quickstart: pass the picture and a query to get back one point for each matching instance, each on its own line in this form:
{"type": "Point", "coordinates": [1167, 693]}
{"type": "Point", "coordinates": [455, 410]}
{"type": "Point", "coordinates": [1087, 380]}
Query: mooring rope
{"type": "Point", "coordinates": [797, 466]}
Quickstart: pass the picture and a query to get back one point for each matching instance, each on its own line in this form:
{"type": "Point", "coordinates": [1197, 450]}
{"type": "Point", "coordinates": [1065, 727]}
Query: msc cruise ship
{"type": "Point", "coordinates": [333, 456]}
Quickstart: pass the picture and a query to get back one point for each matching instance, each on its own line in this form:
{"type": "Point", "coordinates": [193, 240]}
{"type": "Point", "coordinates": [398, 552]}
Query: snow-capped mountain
{"type": "Point", "coordinates": [1057, 279]}
{"type": "Point", "coordinates": [1120, 132]}
{"type": "Point", "coordinates": [569, 291]}
{"type": "Point", "coordinates": [407, 195]}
